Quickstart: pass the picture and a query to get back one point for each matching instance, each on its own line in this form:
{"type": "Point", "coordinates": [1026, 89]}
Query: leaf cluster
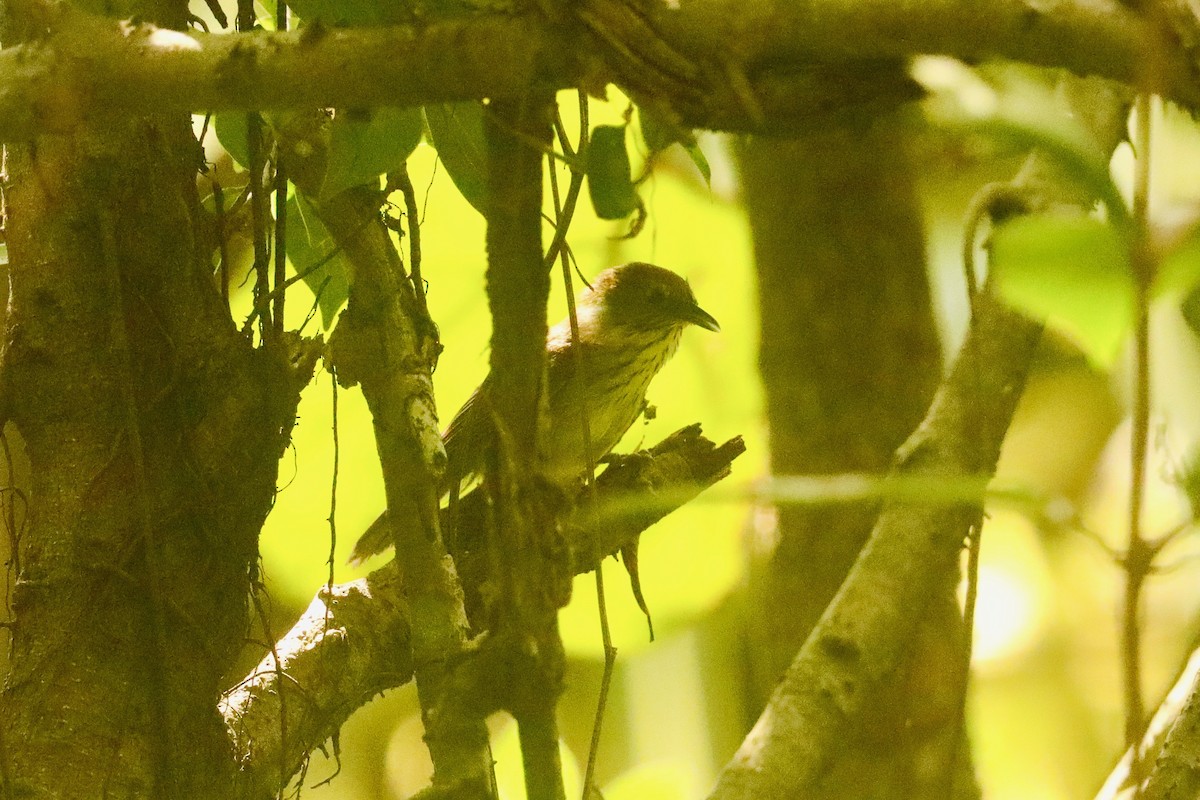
{"type": "Point", "coordinates": [365, 145]}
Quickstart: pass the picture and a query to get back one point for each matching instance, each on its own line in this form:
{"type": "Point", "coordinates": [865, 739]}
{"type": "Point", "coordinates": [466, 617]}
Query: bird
{"type": "Point", "coordinates": [630, 321]}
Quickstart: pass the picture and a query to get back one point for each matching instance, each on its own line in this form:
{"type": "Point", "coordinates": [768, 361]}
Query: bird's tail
{"type": "Point", "coordinates": [374, 540]}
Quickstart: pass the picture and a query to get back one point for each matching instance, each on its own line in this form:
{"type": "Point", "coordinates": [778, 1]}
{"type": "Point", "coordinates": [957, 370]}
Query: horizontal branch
{"type": "Point", "coordinates": [354, 642]}
{"type": "Point", "coordinates": [717, 63]}
{"type": "Point", "coordinates": [93, 65]}
{"type": "Point", "coordinates": [638, 490]}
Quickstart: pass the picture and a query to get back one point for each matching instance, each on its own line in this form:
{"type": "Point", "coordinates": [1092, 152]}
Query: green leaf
{"type": "Point", "coordinates": [701, 162]}
{"type": "Point", "coordinates": [610, 178]}
{"type": "Point", "coordinates": [231, 131]}
{"type": "Point", "coordinates": [310, 247]}
{"type": "Point", "coordinates": [457, 133]}
{"type": "Point", "coordinates": [659, 135]}
{"type": "Point", "coordinates": [1073, 272]}
{"type": "Point", "coordinates": [365, 145]}
{"type": "Point", "coordinates": [1179, 269]}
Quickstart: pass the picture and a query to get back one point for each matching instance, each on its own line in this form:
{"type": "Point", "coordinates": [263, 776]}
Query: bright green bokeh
{"type": "Point", "coordinates": [664, 781]}
{"type": "Point", "coordinates": [691, 559]}
{"type": "Point", "coordinates": [1073, 271]}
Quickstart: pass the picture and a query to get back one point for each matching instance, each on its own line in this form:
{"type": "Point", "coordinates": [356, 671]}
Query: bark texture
{"type": "Point", "coordinates": [154, 432]}
{"type": "Point", "coordinates": [831, 689]}
{"type": "Point", "coordinates": [762, 65]}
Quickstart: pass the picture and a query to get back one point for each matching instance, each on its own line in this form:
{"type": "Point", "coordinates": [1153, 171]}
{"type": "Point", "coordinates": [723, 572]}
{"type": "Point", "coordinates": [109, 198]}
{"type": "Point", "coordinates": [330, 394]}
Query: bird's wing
{"type": "Point", "coordinates": [560, 369]}
{"type": "Point", "coordinates": [465, 439]}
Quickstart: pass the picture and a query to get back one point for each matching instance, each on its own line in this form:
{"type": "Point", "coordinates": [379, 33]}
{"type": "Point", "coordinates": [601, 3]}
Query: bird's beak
{"type": "Point", "coordinates": [698, 316]}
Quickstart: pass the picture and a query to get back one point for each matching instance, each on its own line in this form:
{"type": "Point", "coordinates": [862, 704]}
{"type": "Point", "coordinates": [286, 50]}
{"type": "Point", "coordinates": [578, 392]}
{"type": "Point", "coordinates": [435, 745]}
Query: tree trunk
{"type": "Point", "coordinates": [154, 432]}
{"type": "Point", "coordinates": [849, 358]}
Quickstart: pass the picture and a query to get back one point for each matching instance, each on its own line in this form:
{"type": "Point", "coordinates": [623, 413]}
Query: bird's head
{"type": "Point", "coordinates": [640, 298]}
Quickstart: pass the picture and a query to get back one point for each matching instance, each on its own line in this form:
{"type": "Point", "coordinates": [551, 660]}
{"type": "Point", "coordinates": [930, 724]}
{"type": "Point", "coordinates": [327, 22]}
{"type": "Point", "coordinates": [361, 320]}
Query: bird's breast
{"type": "Point", "coordinates": [613, 387]}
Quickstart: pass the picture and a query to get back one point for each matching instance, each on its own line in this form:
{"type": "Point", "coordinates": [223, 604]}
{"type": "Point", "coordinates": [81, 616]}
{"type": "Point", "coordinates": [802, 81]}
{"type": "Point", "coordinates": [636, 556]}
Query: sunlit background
{"type": "Point", "coordinates": [1046, 690]}
{"type": "Point", "coordinates": [671, 719]}
{"type": "Point", "coordinates": [1045, 709]}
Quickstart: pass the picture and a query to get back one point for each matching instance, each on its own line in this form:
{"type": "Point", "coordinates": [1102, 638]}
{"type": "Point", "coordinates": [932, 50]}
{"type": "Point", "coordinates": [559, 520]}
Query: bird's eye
{"type": "Point", "coordinates": [655, 296]}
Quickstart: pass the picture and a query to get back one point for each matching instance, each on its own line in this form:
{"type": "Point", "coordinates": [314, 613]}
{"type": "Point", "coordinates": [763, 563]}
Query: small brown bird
{"type": "Point", "coordinates": [630, 323]}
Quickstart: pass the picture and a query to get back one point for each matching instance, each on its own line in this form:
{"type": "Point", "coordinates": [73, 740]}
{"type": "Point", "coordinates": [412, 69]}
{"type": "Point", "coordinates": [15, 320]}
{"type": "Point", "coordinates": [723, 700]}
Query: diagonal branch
{"type": "Point", "coordinates": [913, 548]}
{"type": "Point", "coordinates": [1170, 743]}
{"type": "Point", "coordinates": [354, 642]}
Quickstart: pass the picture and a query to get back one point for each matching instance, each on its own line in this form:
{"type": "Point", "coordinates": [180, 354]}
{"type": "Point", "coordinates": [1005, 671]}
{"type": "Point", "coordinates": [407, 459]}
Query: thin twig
{"type": "Point", "coordinates": [265, 302]}
{"type": "Point", "coordinates": [1138, 557]}
{"type": "Point", "coordinates": [280, 253]}
{"type": "Point", "coordinates": [610, 663]}
{"type": "Point", "coordinates": [578, 170]}
{"type": "Point", "coordinates": [277, 310]}
{"type": "Point", "coordinates": [560, 132]}
{"type": "Point", "coordinates": [405, 185]}
{"type": "Point", "coordinates": [333, 485]}
{"type": "Point", "coordinates": [222, 238]}
{"type": "Point", "coordinates": [574, 163]}
{"type": "Point", "coordinates": [258, 217]}
{"type": "Point", "coordinates": [563, 222]}
{"type": "Point", "coordinates": [316, 304]}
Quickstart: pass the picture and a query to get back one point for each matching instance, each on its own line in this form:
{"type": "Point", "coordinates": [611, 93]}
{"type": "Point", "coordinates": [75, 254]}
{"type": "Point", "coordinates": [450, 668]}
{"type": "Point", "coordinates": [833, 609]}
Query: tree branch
{"type": "Point", "coordinates": [633, 493]}
{"type": "Point", "coordinates": [859, 640]}
{"type": "Point", "coordinates": [774, 73]}
{"type": "Point", "coordinates": [1170, 743]}
{"type": "Point", "coordinates": [913, 548]}
{"type": "Point", "coordinates": [385, 342]}
{"type": "Point", "coordinates": [353, 643]}
{"type": "Point", "coordinates": [212, 416]}
{"type": "Point", "coordinates": [529, 567]}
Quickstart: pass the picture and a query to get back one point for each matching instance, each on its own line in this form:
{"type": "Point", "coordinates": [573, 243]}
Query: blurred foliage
{"type": "Point", "coordinates": [1073, 271]}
